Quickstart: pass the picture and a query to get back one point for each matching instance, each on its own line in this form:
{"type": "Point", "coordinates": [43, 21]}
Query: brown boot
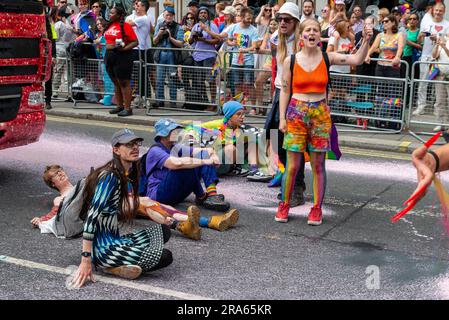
{"type": "Point", "coordinates": [223, 222]}
{"type": "Point", "coordinates": [130, 272]}
{"type": "Point", "coordinates": [191, 228]}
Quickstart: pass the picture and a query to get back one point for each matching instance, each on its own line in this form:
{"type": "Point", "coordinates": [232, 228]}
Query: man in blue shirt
{"type": "Point", "coordinates": [175, 171]}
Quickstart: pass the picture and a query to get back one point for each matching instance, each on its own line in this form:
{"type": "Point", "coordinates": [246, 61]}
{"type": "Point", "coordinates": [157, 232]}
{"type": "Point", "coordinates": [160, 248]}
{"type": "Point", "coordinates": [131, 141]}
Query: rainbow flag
{"type": "Point", "coordinates": [433, 72]}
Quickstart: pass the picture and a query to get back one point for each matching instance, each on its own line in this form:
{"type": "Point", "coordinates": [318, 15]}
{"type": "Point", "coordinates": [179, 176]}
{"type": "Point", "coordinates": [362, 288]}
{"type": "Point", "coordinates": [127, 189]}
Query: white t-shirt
{"type": "Point", "coordinates": [142, 30]}
{"type": "Point", "coordinates": [343, 44]}
{"type": "Point", "coordinates": [274, 40]}
{"type": "Point", "coordinates": [434, 28]}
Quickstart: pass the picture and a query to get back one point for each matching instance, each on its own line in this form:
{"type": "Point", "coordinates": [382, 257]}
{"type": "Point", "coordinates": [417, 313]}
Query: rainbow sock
{"type": "Point", "coordinates": [211, 190]}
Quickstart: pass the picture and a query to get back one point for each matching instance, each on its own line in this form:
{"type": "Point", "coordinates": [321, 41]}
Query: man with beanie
{"type": "Point", "coordinates": [175, 171]}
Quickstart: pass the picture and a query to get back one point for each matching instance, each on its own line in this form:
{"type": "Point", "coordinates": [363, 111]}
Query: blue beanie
{"type": "Point", "coordinates": [231, 107]}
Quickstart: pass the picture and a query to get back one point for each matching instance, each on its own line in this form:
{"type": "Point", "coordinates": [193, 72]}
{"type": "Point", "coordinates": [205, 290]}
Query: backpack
{"type": "Point", "coordinates": [68, 223]}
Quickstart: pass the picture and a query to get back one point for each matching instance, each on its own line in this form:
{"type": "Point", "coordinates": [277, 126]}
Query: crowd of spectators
{"type": "Point", "coordinates": [240, 37]}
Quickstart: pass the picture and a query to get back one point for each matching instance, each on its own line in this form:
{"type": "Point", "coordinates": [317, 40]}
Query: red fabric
{"type": "Point", "coordinates": [310, 82]}
{"type": "Point", "coordinates": [219, 21]}
{"type": "Point", "coordinates": [51, 214]}
{"type": "Point", "coordinates": [114, 32]}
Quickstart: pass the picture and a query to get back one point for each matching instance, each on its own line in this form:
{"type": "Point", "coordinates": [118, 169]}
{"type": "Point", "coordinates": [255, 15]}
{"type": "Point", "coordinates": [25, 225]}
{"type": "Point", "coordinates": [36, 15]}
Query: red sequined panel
{"type": "Point", "coordinates": [28, 125]}
{"type": "Point", "coordinates": [22, 25]}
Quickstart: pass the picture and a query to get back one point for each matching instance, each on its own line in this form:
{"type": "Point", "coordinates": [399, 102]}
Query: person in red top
{"type": "Point", "coordinates": [120, 40]}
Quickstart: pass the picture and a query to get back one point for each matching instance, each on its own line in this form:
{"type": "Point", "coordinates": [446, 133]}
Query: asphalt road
{"type": "Point", "coordinates": [356, 254]}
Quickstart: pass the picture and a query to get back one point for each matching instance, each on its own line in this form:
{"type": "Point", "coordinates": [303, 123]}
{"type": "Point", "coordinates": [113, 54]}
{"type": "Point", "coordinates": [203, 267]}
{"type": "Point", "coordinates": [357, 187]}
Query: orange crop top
{"type": "Point", "coordinates": [310, 82]}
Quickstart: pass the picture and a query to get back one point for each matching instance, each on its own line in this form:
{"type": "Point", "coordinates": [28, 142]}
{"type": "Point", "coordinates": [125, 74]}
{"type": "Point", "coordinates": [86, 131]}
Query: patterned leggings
{"type": "Point", "coordinates": [143, 248]}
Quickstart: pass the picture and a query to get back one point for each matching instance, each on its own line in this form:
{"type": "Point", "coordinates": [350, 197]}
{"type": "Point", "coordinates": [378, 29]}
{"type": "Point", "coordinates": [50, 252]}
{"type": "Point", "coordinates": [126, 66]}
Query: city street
{"type": "Point", "coordinates": [357, 253]}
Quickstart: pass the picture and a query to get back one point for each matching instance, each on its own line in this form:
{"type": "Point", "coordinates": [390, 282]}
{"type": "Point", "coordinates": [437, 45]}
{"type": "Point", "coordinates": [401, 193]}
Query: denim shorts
{"type": "Point", "coordinates": [242, 76]}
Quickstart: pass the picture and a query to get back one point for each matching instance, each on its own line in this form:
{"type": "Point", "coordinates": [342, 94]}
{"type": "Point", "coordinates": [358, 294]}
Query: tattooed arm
{"type": "Point", "coordinates": [351, 59]}
{"type": "Point", "coordinates": [285, 94]}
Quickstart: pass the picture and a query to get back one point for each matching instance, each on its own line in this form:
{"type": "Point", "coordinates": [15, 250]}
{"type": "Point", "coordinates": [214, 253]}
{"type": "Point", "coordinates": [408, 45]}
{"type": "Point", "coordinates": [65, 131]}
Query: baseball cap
{"type": "Point", "coordinates": [339, 2]}
{"type": "Point", "coordinates": [164, 126]}
{"type": "Point", "coordinates": [230, 10]}
{"type": "Point", "coordinates": [289, 8]}
{"type": "Point", "coordinates": [124, 136]}
{"type": "Point", "coordinates": [193, 4]}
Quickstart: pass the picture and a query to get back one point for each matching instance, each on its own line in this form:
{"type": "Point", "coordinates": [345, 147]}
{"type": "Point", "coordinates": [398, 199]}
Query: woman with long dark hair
{"type": "Point", "coordinates": [120, 40]}
{"type": "Point", "coordinates": [110, 196]}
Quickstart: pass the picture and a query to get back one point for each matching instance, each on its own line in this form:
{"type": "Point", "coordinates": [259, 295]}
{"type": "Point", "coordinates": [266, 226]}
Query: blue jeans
{"type": "Point", "coordinates": [161, 73]}
{"type": "Point", "coordinates": [179, 184]}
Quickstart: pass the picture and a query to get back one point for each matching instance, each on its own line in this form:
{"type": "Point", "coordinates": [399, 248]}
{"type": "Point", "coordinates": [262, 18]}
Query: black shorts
{"type": "Point", "coordinates": [119, 64]}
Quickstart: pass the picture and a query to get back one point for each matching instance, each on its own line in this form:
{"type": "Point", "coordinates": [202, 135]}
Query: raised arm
{"type": "Point", "coordinates": [352, 59]}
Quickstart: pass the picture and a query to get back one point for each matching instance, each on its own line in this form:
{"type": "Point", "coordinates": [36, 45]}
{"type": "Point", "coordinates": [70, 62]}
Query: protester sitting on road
{"type": "Point", "coordinates": [232, 133]}
{"type": "Point", "coordinates": [56, 178]}
{"type": "Point", "coordinates": [174, 171]}
{"type": "Point", "coordinates": [111, 196]}
{"type": "Point", "coordinates": [188, 223]}
{"type": "Point", "coordinates": [120, 40]}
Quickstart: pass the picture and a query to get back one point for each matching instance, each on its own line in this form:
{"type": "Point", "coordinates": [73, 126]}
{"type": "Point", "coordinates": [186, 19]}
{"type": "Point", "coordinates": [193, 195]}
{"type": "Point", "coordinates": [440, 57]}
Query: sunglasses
{"type": "Point", "coordinates": [412, 18]}
{"type": "Point", "coordinates": [385, 21]}
{"type": "Point", "coordinates": [285, 19]}
{"type": "Point", "coordinates": [57, 173]}
{"type": "Point", "coordinates": [95, 6]}
{"type": "Point", "coordinates": [267, 9]}
{"type": "Point", "coordinates": [131, 144]}
{"type": "Point", "coordinates": [190, 19]}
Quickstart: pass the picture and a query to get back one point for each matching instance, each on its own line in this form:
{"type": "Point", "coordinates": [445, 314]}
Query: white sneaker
{"type": "Point", "coordinates": [438, 128]}
{"type": "Point", "coordinates": [418, 111]}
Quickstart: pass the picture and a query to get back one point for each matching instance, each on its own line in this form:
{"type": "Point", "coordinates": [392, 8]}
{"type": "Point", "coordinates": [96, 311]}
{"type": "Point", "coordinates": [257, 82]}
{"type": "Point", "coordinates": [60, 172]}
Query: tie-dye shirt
{"type": "Point", "coordinates": [244, 37]}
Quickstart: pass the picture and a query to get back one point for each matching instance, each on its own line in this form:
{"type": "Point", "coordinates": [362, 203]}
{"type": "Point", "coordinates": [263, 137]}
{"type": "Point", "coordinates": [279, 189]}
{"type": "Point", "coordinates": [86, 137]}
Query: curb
{"type": "Point", "coordinates": [350, 141]}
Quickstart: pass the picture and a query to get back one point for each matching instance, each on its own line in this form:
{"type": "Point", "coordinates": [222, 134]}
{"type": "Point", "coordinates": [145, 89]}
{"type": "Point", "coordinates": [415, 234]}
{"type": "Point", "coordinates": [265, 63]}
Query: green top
{"type": "Point", "coordinates": [413, 37]}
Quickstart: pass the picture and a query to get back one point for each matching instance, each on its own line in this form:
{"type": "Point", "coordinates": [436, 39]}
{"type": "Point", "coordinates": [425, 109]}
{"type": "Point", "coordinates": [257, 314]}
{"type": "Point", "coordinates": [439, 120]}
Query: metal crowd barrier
{"type": "Point", "coordinates": [188, 89]}
{"type": "Point", "coordinates": [428, 112]}
{"type": "Point", "coordinates": [254, 82]}
{"type": "Point", "coordinates": [61, 74]}
{"type": "Point", "coordinates": [88, 81]}
{"type": "Point", "coordinates": [376, 104]}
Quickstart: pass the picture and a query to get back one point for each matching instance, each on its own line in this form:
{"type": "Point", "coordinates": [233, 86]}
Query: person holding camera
{"type": "Point", "coordinates": [201, 40]}
{"type": "Point", "coordinates": [120, 40]}
{"type": "Point", "coordinates": [169, 34]}
{"type": "Point", "coordinates": [429, 30]}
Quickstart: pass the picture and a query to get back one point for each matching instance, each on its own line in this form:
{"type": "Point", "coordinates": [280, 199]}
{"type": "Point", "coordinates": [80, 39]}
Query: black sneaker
{"type": "Point", "coordinates": [116, 110]}
{"type": "Point", "coordinates": [259, 176]}
{"type": "Point", "coordinates": [48, 106]}
{"type": "Point", "coordinates": [125, 113]}
{"type": "Point", "coordinates": [238, 171]}
{"type": "Point", "coordinates": [215, 203]}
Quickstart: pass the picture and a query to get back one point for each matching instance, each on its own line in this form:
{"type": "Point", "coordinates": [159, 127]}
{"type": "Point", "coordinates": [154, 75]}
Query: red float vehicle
{"type": "Point", "coordinates": [25, 64]}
